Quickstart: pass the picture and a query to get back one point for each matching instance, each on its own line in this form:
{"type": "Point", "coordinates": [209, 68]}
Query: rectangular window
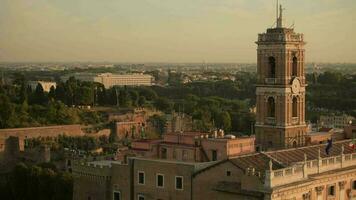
{"type": "Point", "coordinates": [179, 182]}
{"type": "Point", "coordinates": [160, 180]}
{"type": "Point", "coordinates": [228, 173]}
{"type": "Point", "coordinates": [117, 195]}
{"type": "Point", "coordinates": [331, 190]}
{"type": "Point", "coordinates": [354, 185]}
{"type": "Point", "coordinates": [214, 155]}
{"type": "Point", "coordinates": [184, 155]}
{"type": "Point", "coordinates": [140, 197]}
{"type": "Point", "coordinates": [141, 178]}
{"type": "Point", "coordinates": [164, 153]}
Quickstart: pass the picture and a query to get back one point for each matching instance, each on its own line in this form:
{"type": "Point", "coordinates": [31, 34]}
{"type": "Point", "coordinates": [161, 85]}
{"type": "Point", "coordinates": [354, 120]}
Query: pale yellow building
{"type": "Point", "coordinates": [109, 80]}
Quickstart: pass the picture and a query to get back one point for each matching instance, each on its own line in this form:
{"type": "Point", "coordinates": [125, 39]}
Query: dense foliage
{"type": "Point", "coordinates": [331, 92]}
{"type": "Point", "coordinates": [41, 182]}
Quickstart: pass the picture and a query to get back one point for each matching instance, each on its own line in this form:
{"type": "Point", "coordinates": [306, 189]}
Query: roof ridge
{"type": "Point", "coordinates": [305, 147]}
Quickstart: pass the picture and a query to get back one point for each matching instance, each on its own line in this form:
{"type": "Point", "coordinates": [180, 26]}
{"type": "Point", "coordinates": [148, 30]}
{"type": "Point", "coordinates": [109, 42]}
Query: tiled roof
{"type": "Point", "coordinates": [259, 161]}
{"type": "Point", "coordinates": [283, 158]}
{"type": "Point", "coordinates": [294, 155]}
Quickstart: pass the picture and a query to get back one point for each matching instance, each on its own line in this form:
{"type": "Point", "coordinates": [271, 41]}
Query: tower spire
{"type": "Point", "coordinates": [279, 15]}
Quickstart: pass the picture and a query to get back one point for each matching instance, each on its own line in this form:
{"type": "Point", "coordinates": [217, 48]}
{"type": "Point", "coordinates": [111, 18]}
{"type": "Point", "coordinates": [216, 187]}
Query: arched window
{"type": "Point", "coordinates": [295, 66]}
{"type": "Point", "coordinates": [272, 67]}
{"type": "Point", "coordinates": [271, 107]}
{"type": "Point", "coordinates": [295, 107]}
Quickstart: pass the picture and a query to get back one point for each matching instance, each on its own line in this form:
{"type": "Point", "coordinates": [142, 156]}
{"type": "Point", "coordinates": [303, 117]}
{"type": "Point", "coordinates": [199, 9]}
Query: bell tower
{"type": "Point", "coordinates": [280, 89]}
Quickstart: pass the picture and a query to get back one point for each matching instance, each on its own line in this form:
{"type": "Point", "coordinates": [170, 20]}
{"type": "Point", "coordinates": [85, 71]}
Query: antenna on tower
{"type": "Point", "coordinates": [277, 12]}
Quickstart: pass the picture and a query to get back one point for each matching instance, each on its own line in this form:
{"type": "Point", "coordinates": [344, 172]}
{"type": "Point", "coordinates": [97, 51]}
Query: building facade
{"type": "Point", "coordinates": [335, 121]}
{"type": "Point", "coordinates": [280, 90]}
{"type": "Point", "coordinates": [304, 173]}
{"type": "Point", "coordinates": [46, 85]}
{"type": "Point", "coordinates": [192, 147]}
{"type": "Point", "coordinates": [109, 80]}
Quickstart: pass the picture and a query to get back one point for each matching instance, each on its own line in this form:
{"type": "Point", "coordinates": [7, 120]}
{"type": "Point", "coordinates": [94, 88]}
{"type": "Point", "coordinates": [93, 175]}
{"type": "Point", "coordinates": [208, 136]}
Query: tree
{"type": "Point", "coordinates": [39, 95]}
{"type": "Point", "coordinates": [159, 122]}
{"type": "Point", "coordinates": [124, 98]}
{"type": "Point", "coordinates": [141, 101]}
{"type": "Point", "coordinates": [84, 96]}
{"type": "Point", "coordinates": [7, 111]}
{"type": "Point", "coordinates": [224, 121]}
{"type": "Point", "coordinates": [164, 104]}
{"type": "Point", "coordinates": [134, 97]}
{"type": "Point", "coordinates": [52, 93]}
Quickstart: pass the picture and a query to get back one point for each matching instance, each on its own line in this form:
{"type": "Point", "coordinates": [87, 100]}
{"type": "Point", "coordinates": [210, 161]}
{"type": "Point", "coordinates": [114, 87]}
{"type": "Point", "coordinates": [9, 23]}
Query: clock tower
{"type": "Point", "coordinates": [280, 89]}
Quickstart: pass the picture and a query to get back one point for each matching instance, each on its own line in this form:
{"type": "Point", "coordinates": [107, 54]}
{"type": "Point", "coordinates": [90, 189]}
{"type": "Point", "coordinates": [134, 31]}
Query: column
{"type": "Point", "coordinates": [342, 192]}
{"type": "Point", "coordinates": [319, 192]}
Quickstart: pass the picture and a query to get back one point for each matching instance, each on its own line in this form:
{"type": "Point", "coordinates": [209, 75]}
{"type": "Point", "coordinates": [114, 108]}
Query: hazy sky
{"type": "Point", "coordinates": [168, 30]}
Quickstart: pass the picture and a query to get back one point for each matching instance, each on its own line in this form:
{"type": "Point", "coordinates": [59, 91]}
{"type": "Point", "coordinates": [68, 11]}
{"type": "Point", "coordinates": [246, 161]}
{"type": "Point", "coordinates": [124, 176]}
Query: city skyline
{"type": "Point", "coordinates": [167, 31]}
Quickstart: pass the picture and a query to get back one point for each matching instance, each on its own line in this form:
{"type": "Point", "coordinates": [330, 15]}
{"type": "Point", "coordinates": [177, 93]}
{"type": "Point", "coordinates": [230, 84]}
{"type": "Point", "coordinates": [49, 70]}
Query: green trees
{"type": "Point", "coordinates": [164, 104]}
{"type": "Point", "coordinates": [332, 92]}
{"type": "Point", "coordinates": [6, 112]}
{"type": "Point", "coordinates": [36, 183]}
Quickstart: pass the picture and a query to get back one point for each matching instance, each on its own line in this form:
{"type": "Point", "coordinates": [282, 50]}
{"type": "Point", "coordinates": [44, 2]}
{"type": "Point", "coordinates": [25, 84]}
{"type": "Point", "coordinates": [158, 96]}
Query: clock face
{"type": "Point", "coordinates": [296, 86]}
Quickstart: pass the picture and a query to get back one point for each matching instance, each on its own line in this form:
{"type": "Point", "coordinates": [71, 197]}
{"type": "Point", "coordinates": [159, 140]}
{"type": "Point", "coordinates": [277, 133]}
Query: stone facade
{"type": "Point", "coordinates": [37, 132]}
{"type": "Point", "coordinates": [300, 173]}
{"type": "Point", "coordinates": [280, 120]}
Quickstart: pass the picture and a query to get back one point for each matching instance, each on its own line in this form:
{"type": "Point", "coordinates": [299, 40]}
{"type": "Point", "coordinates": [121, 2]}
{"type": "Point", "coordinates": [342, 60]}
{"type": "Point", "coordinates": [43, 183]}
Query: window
{"type": "Point", "coordinates": [184, 155]}
{"type": "Point", "coordinates": [141, 178]}
{"type": "Point", "coordinates": [164, 153]}
{"type": "Point", "coordinates": [140, 197]}
{"type": "Point", "coordinates": [331, 190]}
{"type": "Point", "coordinates": [117, 195]}
{"type": "Point", "coordinates": [214, 155]}
{"type": "Point", "coordinates": [295, 107]}
{"type": "Point", "coordinates": [354, 185]}
{"type": "Point", "coordinates": [179, 182]}
{"type": "Point", "coordinates": [295, 66]}
{"type": "Point", "coordinates": [160, 180]}
{"type": "Point", "coordinates": [272, 67]}
{"type": "Point", "coordinates": [271, 107]}
{"type": "Point", "coordinates": [228, 173]}
{"type": "Point", "coordinates": [174, 154]}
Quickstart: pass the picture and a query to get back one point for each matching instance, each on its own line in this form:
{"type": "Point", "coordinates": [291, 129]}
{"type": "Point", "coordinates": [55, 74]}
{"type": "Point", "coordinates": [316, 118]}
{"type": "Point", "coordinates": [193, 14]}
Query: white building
{"type": "Point", "coordinates": [335, 121]}
{"type": "Point", "coordinates": [110, 80]}
{"type": "Point", "coordinates": [46, 85]}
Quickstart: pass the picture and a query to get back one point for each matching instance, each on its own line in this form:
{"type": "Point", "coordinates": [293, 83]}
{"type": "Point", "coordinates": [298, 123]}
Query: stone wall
{"type": "Point", "coordinates": [36, 132]}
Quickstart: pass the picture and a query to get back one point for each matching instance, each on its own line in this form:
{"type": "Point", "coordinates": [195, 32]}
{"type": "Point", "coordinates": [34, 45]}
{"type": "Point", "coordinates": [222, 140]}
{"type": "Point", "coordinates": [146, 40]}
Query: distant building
{"type": "Point", "coordinates": [193, 147]}
{"type": "Point", "coordinates": [46, 85]}
{"type": "Point", "coordinates": [109, 80]}
{"type": "Point", "coordinates": [322, 135]}
{"type": "Point", "coordinates": [335, 121]}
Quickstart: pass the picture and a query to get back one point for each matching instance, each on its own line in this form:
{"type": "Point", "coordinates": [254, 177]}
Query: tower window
{"type": "Point", "coordinates": [295, 107]}
{"type": "Point", "coordinates": [271, 107]}
{"type": "Point", "coordinates": [295, 66]}
{"type": "Point", "coordinates": [117, 195]}
{"type": "Point", "coordinates": [272, 67]}
{"type": "Point", "coordinates": [331, 190]}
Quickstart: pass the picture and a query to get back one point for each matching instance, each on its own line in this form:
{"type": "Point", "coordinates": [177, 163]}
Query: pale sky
{"type": "Point", "coordinates": [168, 30]}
